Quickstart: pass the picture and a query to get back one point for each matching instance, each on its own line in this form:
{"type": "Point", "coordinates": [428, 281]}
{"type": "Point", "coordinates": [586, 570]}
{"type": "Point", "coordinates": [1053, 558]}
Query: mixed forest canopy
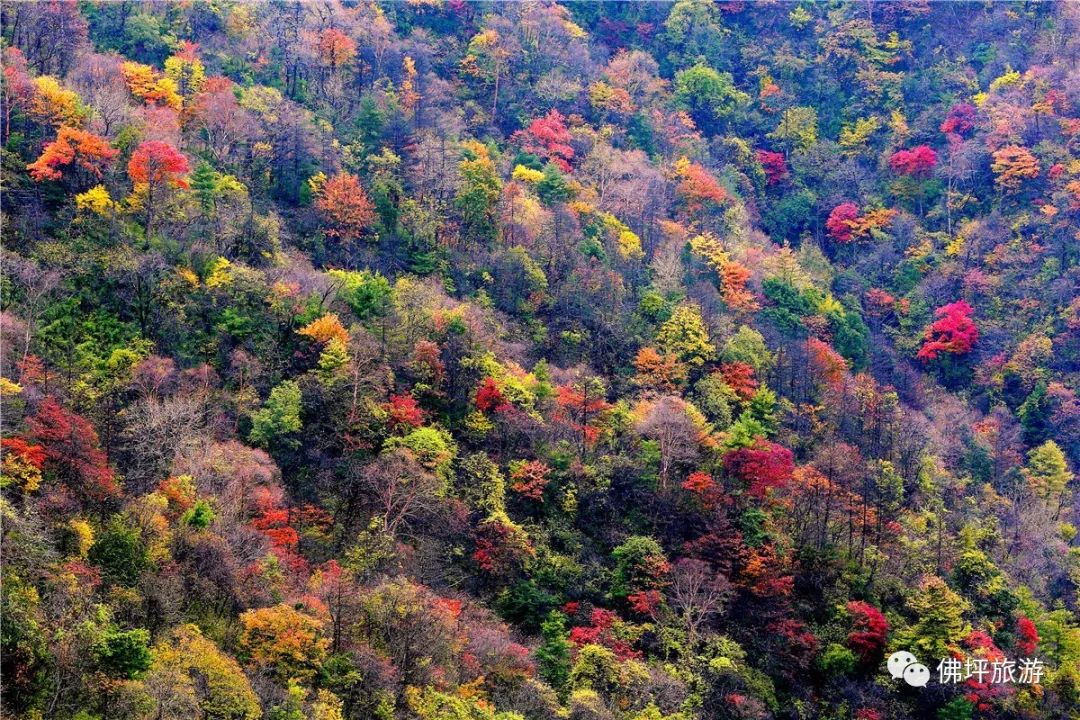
{"type": "Point", "coordinates": [446, 360]}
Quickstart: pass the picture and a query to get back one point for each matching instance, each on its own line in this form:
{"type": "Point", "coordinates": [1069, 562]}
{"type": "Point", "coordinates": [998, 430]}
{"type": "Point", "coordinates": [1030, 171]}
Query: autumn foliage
{"type": "Point", "coordinates": [846, 223]}
{"type": "Point", "coordinates": [697, 187]}
{"type": "Point", "coordinates": [918, 161]}
{"type": "Point", "coordinates": [840, 220]}
{"type": "Point", "coordinates": [774, 164]}
{"type": "Point", "coordinates": [155, 163]}
{"type": "Point", "coordinates": [72, 147]}
{"type": "Point", "coordinates": [1013, 165]}
{"type": "Point", "coordinates": [953, 332]}
{"type": "Point", "coordinates": [869, 630]}
{"type": "Point", "coordinates": [763, 467]}
{"type": "Point", "coordinates": [517, 360]}
{"type": "Point", "coordinates": [70, 446]}
{"type": "Point", "coordinates": [548, 137]}
{"type": "Point", "coordinates": [345, 207]}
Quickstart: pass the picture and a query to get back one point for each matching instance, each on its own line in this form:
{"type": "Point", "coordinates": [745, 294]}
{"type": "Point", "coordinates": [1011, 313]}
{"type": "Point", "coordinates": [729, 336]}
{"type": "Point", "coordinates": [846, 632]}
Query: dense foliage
{"type": "Point", "coordinates": [439, 360]}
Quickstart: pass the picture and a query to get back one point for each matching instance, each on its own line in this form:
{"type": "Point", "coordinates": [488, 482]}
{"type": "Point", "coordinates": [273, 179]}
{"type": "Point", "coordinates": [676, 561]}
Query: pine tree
{"type": "Point", "coordinates": [1047, 473]}
{"type": "Point", "coordinates": [685, 336]}
{"type": "Point", "coordinates": [940, 624]}
{"type": "Point", "coordinates": [204, 183]}
{"type": "Point", "coordinates": [553, 656]}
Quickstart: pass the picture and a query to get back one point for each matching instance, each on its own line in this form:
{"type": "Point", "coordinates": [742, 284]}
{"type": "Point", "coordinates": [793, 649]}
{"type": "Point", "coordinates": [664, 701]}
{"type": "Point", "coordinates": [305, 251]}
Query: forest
{"type": "Point", "coordinates": [451, 360]}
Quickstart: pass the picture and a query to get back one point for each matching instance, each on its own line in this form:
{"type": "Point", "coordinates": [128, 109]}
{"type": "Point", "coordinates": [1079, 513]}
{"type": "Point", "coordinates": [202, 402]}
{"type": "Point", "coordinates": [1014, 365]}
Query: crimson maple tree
{"type": "Point", "coordinates": [549, 138]}
{"type": "Point", "coordinates": [954, 332]}
{"type": "Point", "coordinates": [774, 164]}
{"type": "Point", "coordinates": [839, 222]}
{"type": "Point", "coordinates": [869, 629]}
{"type": "Point", "coordinates": [918, 161]}
{"type": "Point", "coordinates": [762, 467]}
{"type": "Point", "coordinates": [70, 445]}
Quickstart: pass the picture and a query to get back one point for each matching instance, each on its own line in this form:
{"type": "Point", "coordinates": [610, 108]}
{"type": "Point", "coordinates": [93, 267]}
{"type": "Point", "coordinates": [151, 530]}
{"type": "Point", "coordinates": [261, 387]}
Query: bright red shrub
{"type": "Point", "coordinates": [918, 161]}
{"type": "Point", "coordinates": [489, 397]}
{"type": "Point", "coordinates": [839, 222]}
{"type": "Point", "coordinates": [765, 465]}
{"type": "Point", "coordinates": [869, 629]}
{"type": "Point", "coordinates": [954, 332]}
{"type": "Point", "coordinates": [774, 165]}
{"type": "Point", "coordinates": [70, 443]}
{"type": "Point", "coordinates": [404, 412]}
{"type": "Point", "coordinates": [1027, 636]}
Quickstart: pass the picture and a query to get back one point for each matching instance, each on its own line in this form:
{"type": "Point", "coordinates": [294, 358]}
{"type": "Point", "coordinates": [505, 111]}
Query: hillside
{"type": "Point", "coordinates": [440, 360]}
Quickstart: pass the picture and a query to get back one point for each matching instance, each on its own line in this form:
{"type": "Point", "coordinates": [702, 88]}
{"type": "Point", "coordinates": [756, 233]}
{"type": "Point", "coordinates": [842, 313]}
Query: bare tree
{"type": "Point", "coordinates": [401, 490]}
{"type": "Point", "coordinates": [669, 424]}
{"type": "Point", "coordinates": [697, 594]}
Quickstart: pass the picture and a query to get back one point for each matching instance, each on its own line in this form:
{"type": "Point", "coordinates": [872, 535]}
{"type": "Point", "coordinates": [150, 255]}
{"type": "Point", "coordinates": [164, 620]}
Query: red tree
{"type": "Point", "coordinates": [157, 165]}
{"type": "Point", "coordinates": [961, 119]}
{"type": "Point", "coordinates": [604, 630]}
{"type": "Point", "coordinates": [70, 444]}
{"type": "Point", "coordinates": [697, 187]}
{"type": "Point", "coordinates": [403, 412]}
{"type": "Point", "coordinates": [548, 138]}
{"type": "Point", "coordinates": [839, 222]}
{"type": "Point", "coordinates": [155, 162]}
{"type": "Point", "coordinates": [739, 376]}
{"type": "Point", "coordinates": [582, 406]}
{"type": "Point", "coordinates": [774, 165]}
{"type": "Point", "coordinates": [345, 206]}
{"type": "Point", "coordinates": [765, 465]}
{"type": "Point", "coordinates": [954, 332]}
{"type": "Point", "coordinates": [828, 363]}
{"type": "Point", "coordinates": [702, 486]}
{"type": "Point", "coordinates": [489, 397]}
{"type": "Point", "coordinates": [1027, 636]}
{"type": "Point", "coordinates": [918, 161]}
{"type": "Point", "coordinates": [867, 637]}
{"type": "Point", "coordinates": [530, 479]}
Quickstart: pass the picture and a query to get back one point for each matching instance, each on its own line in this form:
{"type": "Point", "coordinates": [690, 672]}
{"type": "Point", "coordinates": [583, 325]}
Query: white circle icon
{"type": "Point", "coordinates": [916, 675]}
{"type": "Point", "coordinates": [898, 661]}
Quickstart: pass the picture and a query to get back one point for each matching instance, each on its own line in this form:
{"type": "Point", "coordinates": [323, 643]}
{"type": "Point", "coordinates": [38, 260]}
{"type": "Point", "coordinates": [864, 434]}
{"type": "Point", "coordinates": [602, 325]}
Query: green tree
{"type": "Point", "coordinates": [685, 336]}
{"type": "Point", "coordinates": [640, 564]}
{"type": "Point", "coordinates": [1047, 473]}
{"type": "Point", "coordinates": [1034, 414]}
{"type": "Point", "coordinates": [120, 553]}
{"type": "Point", "coordinates": [204, 185]}
{"type": "Point", "coordinates": [479, 192]}
{"type": "Point", "coordinates": [709, 96]}
{"type": "Point", "coordinates": [433, 447]}
{"type": "Point", "coordinates": [762, 408]}
{"type": "Point", "coordinates": [748, 346]}
{"type": "Point", "coordinates": [695, 29]}
{"type": "Point", "coordinates": [797, 129]}
{"type": "Point", "coordinates": [278, 421]}
{"type": "Point", "coordinates": [553, 656]}
{"type": "Point", "coordinates": [124, 653]}
{"type": "Point", "coordinates": [367, 293]}
{"type": "Point", "coordinates": [939, 620]}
